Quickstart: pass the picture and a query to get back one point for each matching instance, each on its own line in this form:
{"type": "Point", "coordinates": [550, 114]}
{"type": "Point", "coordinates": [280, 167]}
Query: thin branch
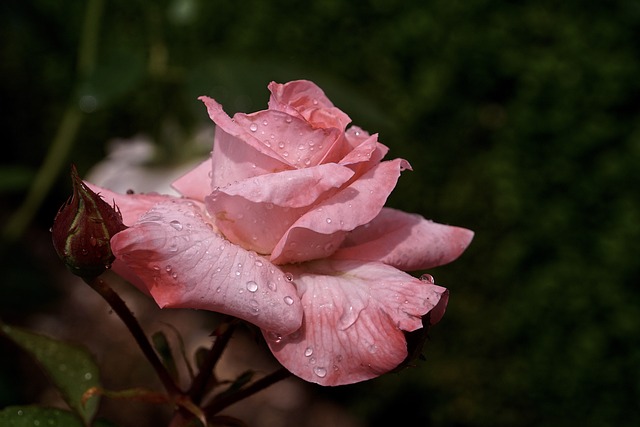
{"type": "Point", "coordinates": [127, 317]}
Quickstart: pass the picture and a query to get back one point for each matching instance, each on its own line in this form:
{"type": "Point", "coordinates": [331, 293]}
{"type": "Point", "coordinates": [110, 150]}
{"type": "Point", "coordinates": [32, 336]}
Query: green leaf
{"type": "Point", "coordinates": [34, 416]}
{"type": "Point", "coordinates": [161, 344]}
{"type": "Point", "coordinates": [71, 368]}
{"type": "Point", "coordinates": [30, 416]}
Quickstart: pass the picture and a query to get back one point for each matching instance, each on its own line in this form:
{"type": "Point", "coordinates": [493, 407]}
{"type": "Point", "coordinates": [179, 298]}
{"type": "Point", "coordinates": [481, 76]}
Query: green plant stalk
{"type": "Point", "coordinates": [67, 130]}
{"type": "Point", "coordinates": [120, 308]}
{"type": "Point", "coordinates": [199, 385]}
{"type": "Point", "coordinates": [218, 404]}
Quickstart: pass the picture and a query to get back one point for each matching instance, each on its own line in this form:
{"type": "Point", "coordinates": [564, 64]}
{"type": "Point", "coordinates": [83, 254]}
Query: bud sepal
{"type": "Point", "coordinates": [82, 230]}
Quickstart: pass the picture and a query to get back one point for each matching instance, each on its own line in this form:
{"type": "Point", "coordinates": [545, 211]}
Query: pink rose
{"type": "Point", "coordinates": [285, 227]}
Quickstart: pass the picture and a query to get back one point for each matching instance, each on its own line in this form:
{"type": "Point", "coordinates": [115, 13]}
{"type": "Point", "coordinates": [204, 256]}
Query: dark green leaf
{"type": "Point", "coordinates": [161, 344]}
{"type": "Point", "coordinates": [70, 368]}
{"type": "Point", "coordinates": [30, 416]}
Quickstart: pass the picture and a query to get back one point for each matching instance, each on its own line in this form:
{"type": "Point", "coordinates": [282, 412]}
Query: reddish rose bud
{"type": "Point", "coordinates": [83, 228]}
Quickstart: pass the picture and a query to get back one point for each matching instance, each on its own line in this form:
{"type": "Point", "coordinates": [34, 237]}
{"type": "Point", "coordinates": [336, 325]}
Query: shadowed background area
{"type": "Point", "coordinates": [521, 121]}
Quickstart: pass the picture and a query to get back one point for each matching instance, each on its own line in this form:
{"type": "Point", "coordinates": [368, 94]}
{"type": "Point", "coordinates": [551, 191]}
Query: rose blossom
{"type": "Point", "coordinates": [285, 227]}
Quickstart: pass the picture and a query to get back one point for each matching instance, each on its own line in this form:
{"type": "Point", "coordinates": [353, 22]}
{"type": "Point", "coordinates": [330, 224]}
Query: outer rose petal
{"type": "Point", "coordinates": [303, 98]}
{"type": "Point", "coordinates": [319, 232]}
{"type": "Point", "coordinates": [406, 241]}
{"type": "Point", "coordinates": [195, 184]}
{"type": "Point", "coordinates": [354, 315]}
{"type": "Point", "coordinates": [256, 212]}
{"type": "Point", "coordinates": [132, 206]}
{"type": "Point", "coordinates": [184, 263]}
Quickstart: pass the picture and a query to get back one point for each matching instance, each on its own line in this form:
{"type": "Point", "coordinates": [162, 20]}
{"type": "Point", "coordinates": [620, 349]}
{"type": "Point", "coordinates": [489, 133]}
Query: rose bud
{"type": "Point", "coordinates": [82, 230]}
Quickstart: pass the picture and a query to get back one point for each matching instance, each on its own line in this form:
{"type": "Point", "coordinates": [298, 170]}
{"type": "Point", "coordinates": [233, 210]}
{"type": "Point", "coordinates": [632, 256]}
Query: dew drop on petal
{"type": "Point", "coordinates": [258, 263]}
{"type": "Point", "coordinates": [308, 352]}
{"type": "Point", "coordinates": [288, 300]}
{"type": "Point", "coordinates": [272, 286]}
{"type": "Point", "coordinates": [328, 220]}
{"type": "Point", "coordinates": [253, 127]}
{"type": "Point", "coordinates": [288, 276]}
{"type": "Point", "coordinates": [252, 286]}
{"type": "Point", "coordinates": [427, 278]}
{"type": "Point", "coordinates": [275, 337]}
{"type": "Point", "coordinates": [176, 225]}
{"type": "Point", "coordinates": [319, 371]}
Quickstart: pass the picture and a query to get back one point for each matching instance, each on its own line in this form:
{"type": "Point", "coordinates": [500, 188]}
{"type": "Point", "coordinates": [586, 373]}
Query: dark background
{"type": "Point", "coordinates": [521, 121]}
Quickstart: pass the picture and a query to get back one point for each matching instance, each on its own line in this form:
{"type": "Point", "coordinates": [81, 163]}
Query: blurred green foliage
{"type": "Point", "coordinates": [521, 120]}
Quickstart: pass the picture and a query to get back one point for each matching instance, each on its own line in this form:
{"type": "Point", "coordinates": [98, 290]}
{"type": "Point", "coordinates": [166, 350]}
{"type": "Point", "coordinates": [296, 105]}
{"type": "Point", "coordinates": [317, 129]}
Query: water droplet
{"type": "Point", "coordinates": [259, 263]}
{"type": "Point", "coordinates": [288, 300]}
{"type": "Point", "coordinates": [288, 276]}
{"type": "Point", "coordinates": [20, 412]}
{"type": "Point", "coordinates": [168, 268]}
{"type": "Point", "coordinates": [275, 337]}
{"type": "Point", "coordinates": [176, 225]}
{"type": "Point", "coordinates": [272, 286]}
{"type": "Point", "coordinates": [301, 147]}
{"type": "Point", "coordinates": [218, 289]}
{"type": "Point", "coordinates": [238, 273]}
{"type": "Point", "coordinates": [281, 144]}
{"type": "Point", "coordinates": [319, 371]}
{"type": "Point", "coordinates": [265, 123]}
{"type": "Point", "coordinates": [88, 376]}
{"type": "Point", "coordinates": [288, 119]}
{"type": "Point", "coordinates": [373, 348]}
{"type": "Point", "coordinates": [308, 352]}
{"type": "Point", "coordinates": [328, 220]}
{"type": "Point", "coordinates": [174, 275]}
{"type": "Point", "coordinates": [253, 127]}
{"type": "Point", "coordinates": [427, 278]}
{"type": "Point", "coordinates": [252, 286]}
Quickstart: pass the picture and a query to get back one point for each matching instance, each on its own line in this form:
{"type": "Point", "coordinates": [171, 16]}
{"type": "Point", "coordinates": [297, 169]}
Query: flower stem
{"type": "Point", "coordinates": [223, 402]}
{"type": "Point", "coordinates": [199, 385]}
{"type": "Point", "coordinates": [120, 308]}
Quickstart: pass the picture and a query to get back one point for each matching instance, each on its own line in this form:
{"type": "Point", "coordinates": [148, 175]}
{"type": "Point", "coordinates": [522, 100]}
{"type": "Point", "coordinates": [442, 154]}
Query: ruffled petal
{"type": "Point", "coordinates": [406, 241]}
{"type": "Point", "coordinates": [184, 263]}
{"type": "Point", "coordinates": [292, 140]}
{"type": "Point", "coordinates": [354, 317]}
{"type": "Point", "coordinates": [237, 153]}
{"type": "Point", "coordinates": [319, 232]}
{"type": "Point", "coordinates": [256, 212]}
{"type": "Point", "coordinates": [195, 184]}
{"type": "Point", "coordinates": [302, 98]}
{"type": "Point", "coordinates": [132, 206]}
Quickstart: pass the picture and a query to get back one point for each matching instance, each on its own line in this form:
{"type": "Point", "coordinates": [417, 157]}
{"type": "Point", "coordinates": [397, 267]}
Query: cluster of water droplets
{"type": "Point", "coordinates": [300, 154]}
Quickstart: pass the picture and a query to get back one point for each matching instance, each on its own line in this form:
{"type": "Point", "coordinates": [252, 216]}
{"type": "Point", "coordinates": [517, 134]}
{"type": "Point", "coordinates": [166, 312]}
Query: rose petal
{"type": "Point", "coordinates": [302, 98]}
{"type": "Point", "coordinates": [195, 184]}
{"type": "Point", "coordinates": [184, 263]}
{"type": "Point", "coordinates": [256, 212]}
{"type": "Point", "coordinates": [292, 139]}
{"type": "Point", "coordinates": [353, 206]}
{"type": "Point", "coordinates": [406, 241]}
{"type": "Point", "coordinates": [354, 315]}
{"type": "Point", "coordinates": [132, 206]}
{"type": "Point", "coordinates": [237, 154]}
